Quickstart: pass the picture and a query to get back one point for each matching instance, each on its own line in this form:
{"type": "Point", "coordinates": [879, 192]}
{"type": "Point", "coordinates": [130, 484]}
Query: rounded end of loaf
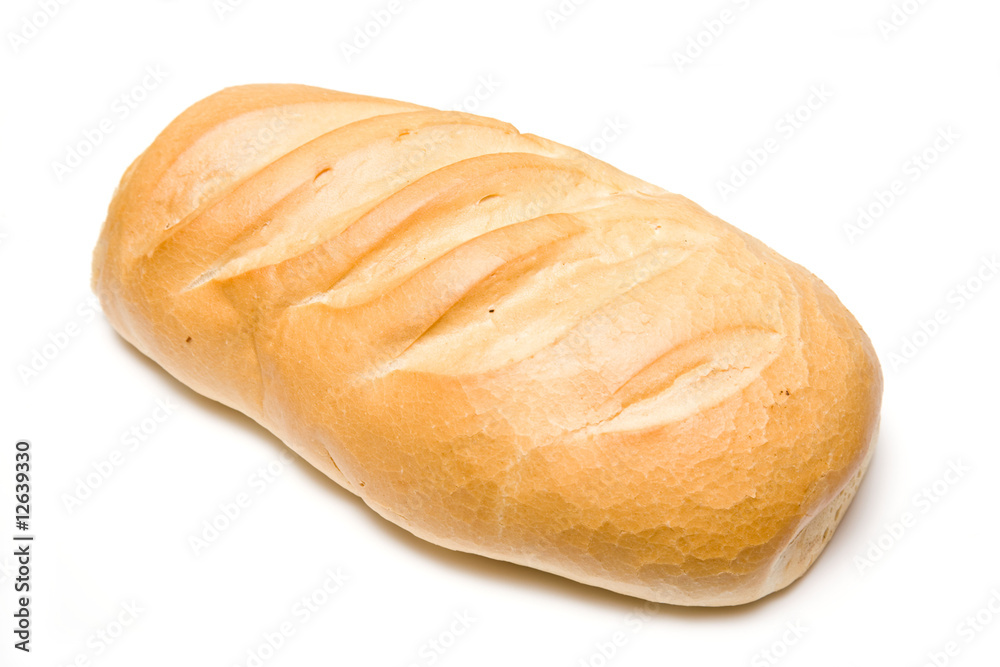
{"type": "Point", "coordinates": [845, 388]}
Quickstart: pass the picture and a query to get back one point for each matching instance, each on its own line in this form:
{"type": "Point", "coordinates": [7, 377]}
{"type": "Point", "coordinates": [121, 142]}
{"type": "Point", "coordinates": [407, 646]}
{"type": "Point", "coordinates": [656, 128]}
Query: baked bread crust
{"type": "Point", "coordinates": [501, 344]}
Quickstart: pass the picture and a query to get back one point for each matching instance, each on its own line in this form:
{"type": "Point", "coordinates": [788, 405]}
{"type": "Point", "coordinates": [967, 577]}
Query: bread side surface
{"type": "Point", "coordinates": [500, 343]}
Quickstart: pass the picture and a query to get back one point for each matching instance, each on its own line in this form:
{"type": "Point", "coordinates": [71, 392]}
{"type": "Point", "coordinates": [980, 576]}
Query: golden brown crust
{"type": "Point", "coordinates": [501, 344]}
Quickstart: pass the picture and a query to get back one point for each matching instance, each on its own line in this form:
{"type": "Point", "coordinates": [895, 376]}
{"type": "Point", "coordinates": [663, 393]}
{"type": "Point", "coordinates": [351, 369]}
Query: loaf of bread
{"type": "Point", "coordinates": [503, 345]}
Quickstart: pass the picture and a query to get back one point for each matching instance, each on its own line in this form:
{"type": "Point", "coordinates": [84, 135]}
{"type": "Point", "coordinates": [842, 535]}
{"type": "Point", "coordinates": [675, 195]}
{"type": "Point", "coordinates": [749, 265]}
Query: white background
{"type": "Point", "coordinates": [607, 65]}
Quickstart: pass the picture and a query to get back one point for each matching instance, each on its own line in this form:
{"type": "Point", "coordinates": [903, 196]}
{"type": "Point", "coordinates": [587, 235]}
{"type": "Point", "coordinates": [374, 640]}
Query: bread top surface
{"type": "Point", "coordinates": [503, 344]}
